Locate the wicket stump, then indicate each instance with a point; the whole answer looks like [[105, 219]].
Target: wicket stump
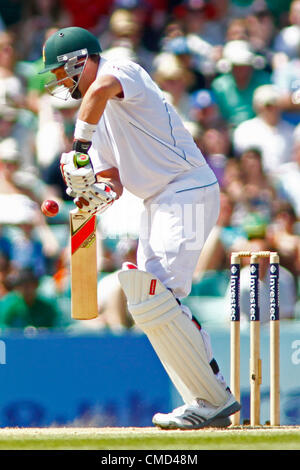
[[255, 361]]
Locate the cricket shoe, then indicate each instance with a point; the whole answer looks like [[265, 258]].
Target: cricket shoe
[[200, 414]]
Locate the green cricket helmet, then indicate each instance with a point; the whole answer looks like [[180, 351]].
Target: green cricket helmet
[[68, 48]]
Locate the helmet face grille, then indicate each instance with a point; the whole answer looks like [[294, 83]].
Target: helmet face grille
[[73, 68], [70, 55], [75, 64]]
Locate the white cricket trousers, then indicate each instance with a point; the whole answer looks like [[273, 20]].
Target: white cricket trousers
[[174, 227]]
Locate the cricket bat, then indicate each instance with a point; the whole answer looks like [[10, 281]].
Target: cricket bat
[[83, 264]]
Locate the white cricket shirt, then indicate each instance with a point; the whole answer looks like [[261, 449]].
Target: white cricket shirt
[[143, 136]]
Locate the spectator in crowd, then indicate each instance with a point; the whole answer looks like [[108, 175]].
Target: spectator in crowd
[[174, 80], [194, 22], [55, 115], [237, 30], [9, 126], [287, 176], [51, 173], [267, 131], [5, 244], [286, 76], [180, 48], [23, 306], [283, 238], [5, 269], [13, 99], [174, 28], [240, 8], [288, 38], [261, 31], [196, 131], [252, 192], [233, 186], [254, 225], [38, 17], [127, 33], [9, 163], [14, 124], [32, 242], [151, 15], [234, 88], [204, 110], [11, 87], [204, 23], [258, 191], [87, 13], [14, 179], [35, 82], [28, 250], [217, 19], [215, 146]]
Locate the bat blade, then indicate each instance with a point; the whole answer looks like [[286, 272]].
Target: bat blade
[[83, 265]]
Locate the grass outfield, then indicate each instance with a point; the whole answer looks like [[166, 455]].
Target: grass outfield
[[241, 438]]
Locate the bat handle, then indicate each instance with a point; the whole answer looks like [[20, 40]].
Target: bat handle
[[81, 159]]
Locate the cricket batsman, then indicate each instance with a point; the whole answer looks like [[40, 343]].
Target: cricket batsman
[[136, 140]]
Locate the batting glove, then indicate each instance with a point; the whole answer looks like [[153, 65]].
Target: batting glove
[[76, 177], [99, 197]]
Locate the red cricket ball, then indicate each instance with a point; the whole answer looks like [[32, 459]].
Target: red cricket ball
[[50, 208]]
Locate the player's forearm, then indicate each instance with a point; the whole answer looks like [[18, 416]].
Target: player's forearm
[[96, 97], [112, 178], [93, 105], [92, 108]]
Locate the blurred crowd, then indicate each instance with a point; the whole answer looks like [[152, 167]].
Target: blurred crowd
[[231, 68]]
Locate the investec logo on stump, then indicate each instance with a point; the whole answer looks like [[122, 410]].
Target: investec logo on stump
[[274, 309], [234, 289], [254, 293], [2, 352]]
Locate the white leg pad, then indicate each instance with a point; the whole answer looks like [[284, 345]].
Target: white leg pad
[[174, 337]]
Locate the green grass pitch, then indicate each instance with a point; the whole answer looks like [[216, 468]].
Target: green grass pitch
[[240, 438]]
